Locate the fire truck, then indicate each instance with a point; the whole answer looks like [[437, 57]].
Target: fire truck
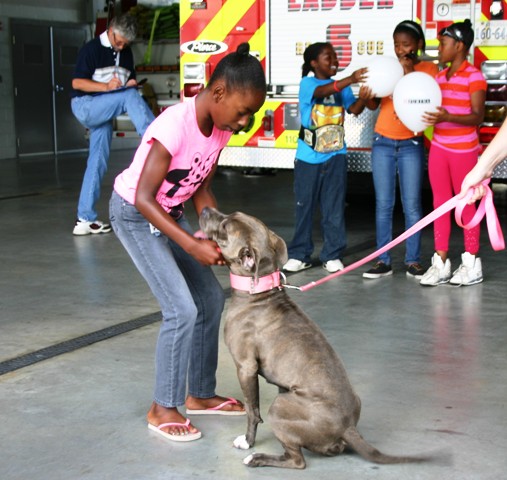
[[278, 32]]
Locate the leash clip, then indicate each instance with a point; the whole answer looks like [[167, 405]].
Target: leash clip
[[284, 283]]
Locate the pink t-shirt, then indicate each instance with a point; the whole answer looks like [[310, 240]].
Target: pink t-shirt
[[193, 156], [457, 99]]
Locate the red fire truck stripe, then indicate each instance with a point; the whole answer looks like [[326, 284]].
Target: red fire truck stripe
[[249, 22], [243, 25]]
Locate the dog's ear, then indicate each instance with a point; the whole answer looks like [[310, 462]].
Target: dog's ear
[[280, 248], [248, 257]]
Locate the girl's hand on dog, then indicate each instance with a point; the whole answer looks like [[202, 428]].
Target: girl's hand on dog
[[206, 252]]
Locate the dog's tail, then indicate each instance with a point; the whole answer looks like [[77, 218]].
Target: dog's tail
[[363, 448]]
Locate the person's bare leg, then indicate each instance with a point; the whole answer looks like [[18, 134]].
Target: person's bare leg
[[442, 254]]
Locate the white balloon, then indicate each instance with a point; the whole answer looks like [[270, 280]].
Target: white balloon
[[383, 74], [415, 94]]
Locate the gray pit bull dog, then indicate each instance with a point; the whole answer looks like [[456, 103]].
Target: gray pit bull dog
[[269, 335]]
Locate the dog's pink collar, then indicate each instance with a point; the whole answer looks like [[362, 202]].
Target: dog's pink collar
[[259, 285]]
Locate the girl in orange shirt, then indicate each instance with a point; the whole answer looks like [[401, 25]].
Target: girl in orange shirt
[[396, 151]]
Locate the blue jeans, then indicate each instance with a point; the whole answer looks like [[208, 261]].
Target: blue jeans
[[97, 113], [323, 185], [191, 300], [405, 158]]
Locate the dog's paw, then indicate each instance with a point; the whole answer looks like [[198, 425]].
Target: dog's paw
[[241, 443], [248, 459]]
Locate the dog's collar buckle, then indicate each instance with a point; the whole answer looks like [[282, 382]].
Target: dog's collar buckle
[[254, 285]]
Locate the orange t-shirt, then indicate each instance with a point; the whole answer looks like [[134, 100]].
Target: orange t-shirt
[[388, 124]]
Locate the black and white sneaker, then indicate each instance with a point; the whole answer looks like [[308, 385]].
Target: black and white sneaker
[[415, 270], [379, 270], [82, 227], [294, 265]]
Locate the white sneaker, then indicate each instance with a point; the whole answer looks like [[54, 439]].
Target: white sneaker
[[438, 273], [82, 227], [333, 266], [469, 272], [294, 265]]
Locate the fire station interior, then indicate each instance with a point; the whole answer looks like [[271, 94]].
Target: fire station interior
[[78, 328]]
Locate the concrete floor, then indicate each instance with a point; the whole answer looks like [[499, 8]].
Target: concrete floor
[[78, 328]]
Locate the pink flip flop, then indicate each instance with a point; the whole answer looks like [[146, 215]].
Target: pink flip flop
[[189, 437], [218, 409]]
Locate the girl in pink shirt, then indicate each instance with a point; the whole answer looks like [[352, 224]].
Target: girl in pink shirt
[[176, 162], [454, 152]]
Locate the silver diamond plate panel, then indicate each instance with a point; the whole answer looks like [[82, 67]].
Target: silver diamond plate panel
[[359, 161], [501, 170], [256, 157], [359, 130]]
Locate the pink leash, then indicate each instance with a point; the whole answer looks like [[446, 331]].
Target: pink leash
[[486, 207]]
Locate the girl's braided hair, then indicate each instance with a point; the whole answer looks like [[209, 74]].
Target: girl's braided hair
[[460, 31], [240, 70]]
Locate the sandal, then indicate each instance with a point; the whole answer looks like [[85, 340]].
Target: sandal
[[218, 409], [187, 437]]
